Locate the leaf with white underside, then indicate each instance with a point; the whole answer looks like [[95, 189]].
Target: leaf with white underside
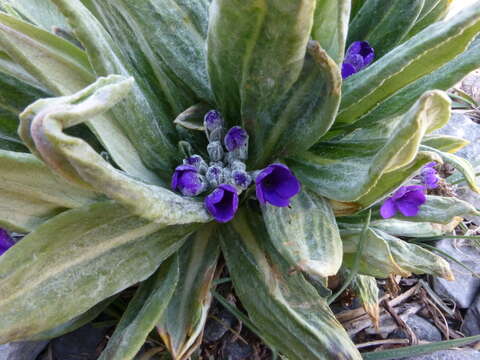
[[306, 234], [181, 326], [42, 125], [419, 56], [31, 193], [142, 313], [385, 254], [64, 69], [349, 170], [75, 260], [287, 310], [368, 292]]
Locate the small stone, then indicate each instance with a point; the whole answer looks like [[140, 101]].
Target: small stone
[[448, 355], [216, 327], [422, 328], [471, 322], [237, 350], [465, 286], [25, 350]]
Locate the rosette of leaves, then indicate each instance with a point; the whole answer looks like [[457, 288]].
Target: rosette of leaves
[[102, 92]]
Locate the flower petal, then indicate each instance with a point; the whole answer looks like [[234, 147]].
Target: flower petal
[[388, 209]]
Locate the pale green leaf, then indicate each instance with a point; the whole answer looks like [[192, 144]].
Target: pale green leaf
[[42, 126], [446, 143], [181, 326], [412, 229], [290, 315], [330, 26], [349, 170], [419, 56], [31, 193], [306, 234], [64, 69], [433, 11], [143, 312], [70, 263], [368, 293]]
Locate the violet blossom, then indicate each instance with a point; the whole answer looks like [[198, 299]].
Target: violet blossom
[[429, 175], [222, 203], [6, 241], [407, 200], [358, 56], [276, 184], [188, 181]]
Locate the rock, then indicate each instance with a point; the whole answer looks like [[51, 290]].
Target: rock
[[84, 343], [216, 327], [237, 350], [471, 322], [27, 350], [421, 327], [448, 355], [464, 288]]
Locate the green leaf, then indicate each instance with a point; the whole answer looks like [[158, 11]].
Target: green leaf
[[393, 20], [349, 170], [306, 234], [330, 26], [369, 296], [181, 326], [461, 165], [144, 115], [419, 349], [385, 254], [442, 210], [284, 307], [42, 125], [30, 193], [413, 229], [433, 11], [75, 260], [256, 63], [446, 143], [143, 312], [419, 56], [64, 69]]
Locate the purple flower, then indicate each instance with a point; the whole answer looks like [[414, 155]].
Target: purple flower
[[187, 180], [429, 175], [276, 184], [358, 56], [222, 203], [407, 200], [236, 138], [6, 241]]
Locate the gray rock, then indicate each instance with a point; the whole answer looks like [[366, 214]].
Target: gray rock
[[448, 355], [421, 327], [27, 350], [465, 287], [471, 323]]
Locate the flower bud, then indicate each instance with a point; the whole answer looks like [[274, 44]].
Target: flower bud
[[236, 142], [213, 123], [214, 175], [188, 181], [197, 162], [241, 179], [215, 151]]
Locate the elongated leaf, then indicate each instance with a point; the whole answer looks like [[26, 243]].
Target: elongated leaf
[[419, 56], [143, 311], [442, 210], [413, 229], [285, 308], [42, 126], [75, 260], [384, 23], [369, 296], [330, 26], [64, 69], [347, 170], [147, 121], [461, 165], [433, 11], [181, 326], [446, 143], [306, 234], [31, 193], [385, 254]]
